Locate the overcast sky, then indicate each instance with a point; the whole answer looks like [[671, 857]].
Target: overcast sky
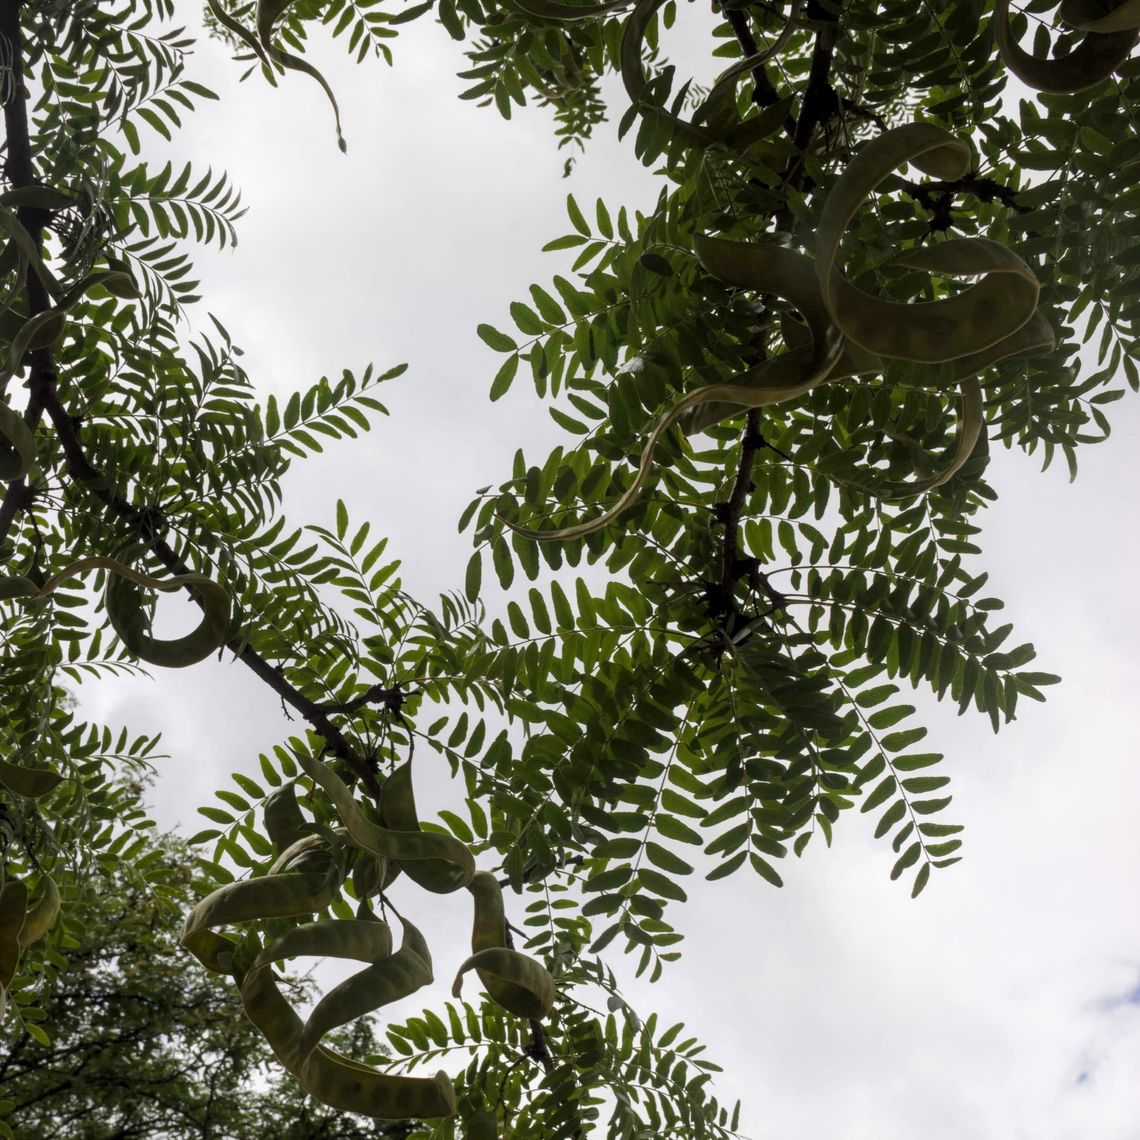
[[1003, 1003]]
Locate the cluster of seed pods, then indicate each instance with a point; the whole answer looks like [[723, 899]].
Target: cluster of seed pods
[[304, 879], [845, 332]]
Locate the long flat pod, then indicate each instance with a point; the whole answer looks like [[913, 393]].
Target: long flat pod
[[13, 907], [934, 331], [282, 817], [971, 424], [1090, 15], [403, 846], [129, 619], [772, 382], [765, 268], [398, 809], [633, 76], [330, 1077], [41, 918], [1091, 62], [387, 978], [735, 133], [519, 983], [552, 10], [125, 607], [283, 895], [21, 926], [43, 329], [268, 13]]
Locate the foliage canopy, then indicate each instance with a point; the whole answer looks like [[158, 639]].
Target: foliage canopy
[[783, 397]]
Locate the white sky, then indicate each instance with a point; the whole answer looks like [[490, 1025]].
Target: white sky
[[1003, 1003]]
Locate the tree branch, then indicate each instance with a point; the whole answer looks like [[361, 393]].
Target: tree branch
[[19, 170], [81, 470]]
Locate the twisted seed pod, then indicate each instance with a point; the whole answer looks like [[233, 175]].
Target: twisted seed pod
[[720, 97], [848, 331], [268, 13], [552, 10], [31, 783], [28, 252], [1033, 338], [332, 1078], [405, 847], [20, 927], [13, 908], [17, 445], [519, 983], [398, 810], [44, 329], [387, 977], [1109, 42], [282, 817], [303, 880], [772, 269], [125, 607], [129, 620], [371, 874], [1090, 16], [937, 331], [971, 424], [41, 918]]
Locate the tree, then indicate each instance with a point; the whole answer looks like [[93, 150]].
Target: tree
[[786, 403], [142, 1047]]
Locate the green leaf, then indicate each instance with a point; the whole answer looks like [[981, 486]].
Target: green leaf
[[504, 377], [655, 263], [576, 218], [496, 340]]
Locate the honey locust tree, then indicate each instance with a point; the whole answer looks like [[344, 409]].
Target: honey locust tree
[[882, 237]]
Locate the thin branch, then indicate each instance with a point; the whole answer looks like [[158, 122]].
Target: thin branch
[[82, 471]]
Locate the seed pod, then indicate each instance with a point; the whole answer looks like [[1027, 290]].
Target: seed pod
[[127, 615], [398, 809], [20, 927], [1090, 15], [13, 907], [28, 782], [41, 918], [552, 10], [403, 846], [26, 246], [279, 894], [973, 320], [770, 269], [17, 445], [372, 874], [268, 12], [328, 1076], [129, 619], [282, 817], [515, 981], [1108, 43], [707, 126]]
